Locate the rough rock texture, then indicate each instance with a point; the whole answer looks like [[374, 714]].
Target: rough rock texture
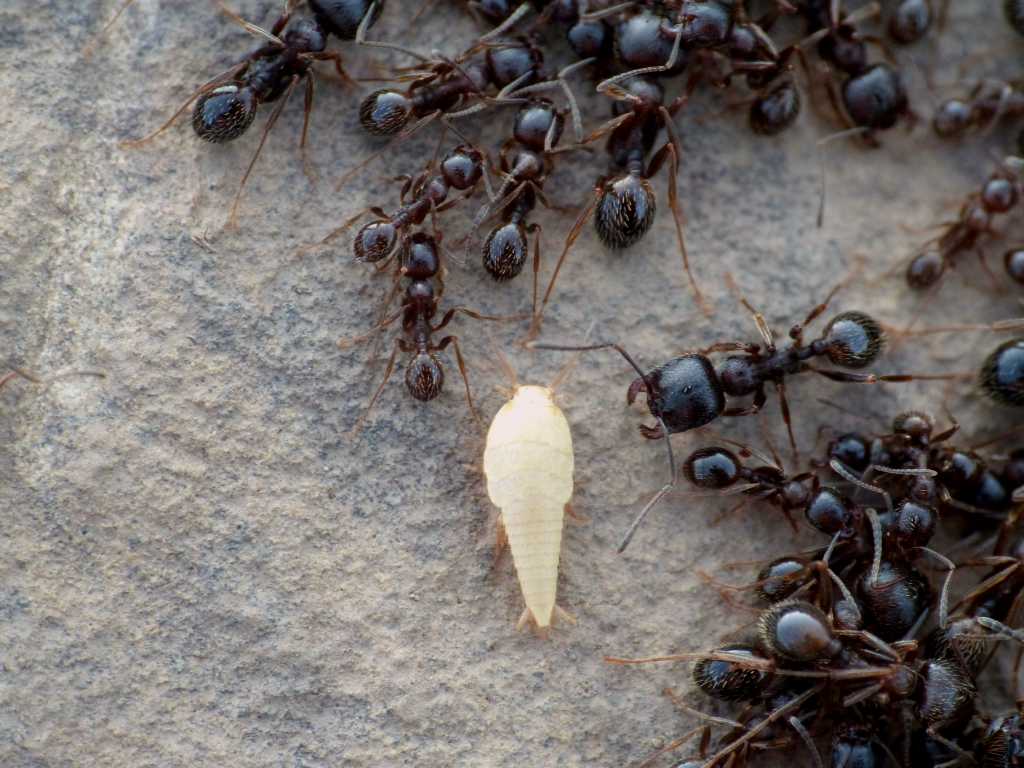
[[199, 566]]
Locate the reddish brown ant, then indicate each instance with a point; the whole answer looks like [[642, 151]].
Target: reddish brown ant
[[226, 106]]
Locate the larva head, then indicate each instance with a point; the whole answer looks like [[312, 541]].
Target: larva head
[[625, 210], [732, 680], [375, 241], [505, 251], [712, 468], [533, 393], [342, 17], [424, 376], [385, 112], [855, 339], [1002, 373], [684, 392], [224, 113], [798, 631]]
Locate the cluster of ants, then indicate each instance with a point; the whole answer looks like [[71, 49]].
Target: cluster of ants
[[841, 648]]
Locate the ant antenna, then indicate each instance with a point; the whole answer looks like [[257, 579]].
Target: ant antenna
[[840, 469], [664, 428], [876, 534]]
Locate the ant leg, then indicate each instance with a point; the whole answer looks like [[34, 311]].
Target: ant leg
[[665, 489], [254, 29], [337, 58], [574, 233], [224, 77], [536, 265], [475, 315], [780, 387], [91, 45], [389, 147], [307, 110], [454, 341], [362, 338], [233, 216], [760, 398], [605, 85], [559, 81], [508, 23], [762, 325], [398, 344], [669, 150]]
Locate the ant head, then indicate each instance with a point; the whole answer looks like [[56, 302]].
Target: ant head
[[508, 62], [646, 40], [999, 194], [224, 113], [590, 39], [831, 512], [731, 680], [952, 118], [643, 90], [307, 34], [495, 11], [342, 18], [1013, 261], [534, 121], [894, 602], [704, 24], [712, 468], [795, 494], [505, 251], [1002, 373], [915, 425], [419, 256], [852, 450], [798, 631], [424, 376], [375, 241], [685, 391], [625, 210], [855, 339], [781, 578], [925, 269], [462, 167], [845, 50], [739, 376], [776, 110], [910, 20], [875, 98], [385, 112]]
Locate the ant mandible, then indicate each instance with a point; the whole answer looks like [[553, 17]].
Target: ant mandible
[[226, 106]]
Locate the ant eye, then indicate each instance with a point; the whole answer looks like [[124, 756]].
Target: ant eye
[[1002, 373], [731, 680], [712, 468], [854, 339], [505, 251], [625, 211], [224, 113], [424, 378], [925, 269], [776, 110], [798, 631], [462, 167], [375, 241], [875, 98], [383, 113]]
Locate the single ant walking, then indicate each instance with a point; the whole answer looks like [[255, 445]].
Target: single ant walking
[[424, 376], [226, 106], [623, 206], [688, 391], [998, 195]]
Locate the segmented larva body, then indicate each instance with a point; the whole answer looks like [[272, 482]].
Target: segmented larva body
[[528, 463]]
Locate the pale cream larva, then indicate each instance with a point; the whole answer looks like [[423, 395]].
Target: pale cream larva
[[528, 463]]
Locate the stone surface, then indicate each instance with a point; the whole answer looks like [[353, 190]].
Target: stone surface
[[200, 566]]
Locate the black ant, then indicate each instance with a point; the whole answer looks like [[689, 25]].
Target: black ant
[[588, 36], [987, 102], [623, 206], [424, 376], [999, 194], [226, 106], [910, 20]]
